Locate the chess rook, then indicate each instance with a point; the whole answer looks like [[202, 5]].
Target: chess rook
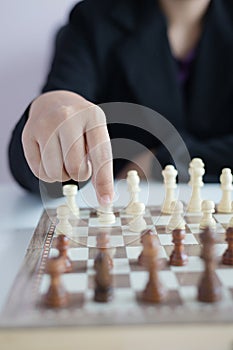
[[133, 181], [196, 172], [178, 256], [70, 192], [63, 226], [227, 258], [207, 219], [209, 289], [224, 205], [169, 176]]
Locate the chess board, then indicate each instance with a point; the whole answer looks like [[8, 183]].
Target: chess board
[[25, 304]]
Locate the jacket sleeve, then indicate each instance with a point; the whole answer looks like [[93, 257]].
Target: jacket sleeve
[[73, 68]]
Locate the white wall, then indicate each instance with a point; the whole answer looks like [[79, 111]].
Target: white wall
[[27, 29]]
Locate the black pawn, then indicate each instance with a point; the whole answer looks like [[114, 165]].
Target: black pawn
[[103, 278]]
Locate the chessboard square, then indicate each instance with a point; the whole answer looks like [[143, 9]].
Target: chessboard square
[[226, 277], [75, 282], [133, 252], [95, 222], [124, 296], [161, 220], [138, 280], [115, 241], [220, 228], [168, 279], [194, 228], [80, 231], [188, 293], [121, 266], [190, 278], [111, 231], [165, 239], [76, 254], [53, 253], [82, 222], [223, 218], [190, 239], [195, 264], [126, 232], [132, 240], [162, 253], [220, 249]]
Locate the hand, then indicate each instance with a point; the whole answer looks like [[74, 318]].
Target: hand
[[65, 138]]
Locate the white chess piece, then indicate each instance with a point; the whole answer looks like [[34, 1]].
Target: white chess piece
[[138, 224], [63, 226], [106, 215], [207, 219], [169, 175], [70, 192], [224, 205], [133, 181], [196, 171], [230, 224], [176, 220]]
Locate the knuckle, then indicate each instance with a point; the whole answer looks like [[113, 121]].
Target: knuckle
[[97, 116]]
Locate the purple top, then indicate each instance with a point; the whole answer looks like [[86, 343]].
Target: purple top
[[184, 67]]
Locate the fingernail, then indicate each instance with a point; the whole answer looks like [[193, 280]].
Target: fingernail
[[105, 199]]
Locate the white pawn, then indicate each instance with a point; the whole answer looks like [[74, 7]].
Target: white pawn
[[138, 224], [63, 226], [224, 205], [207, 219], [177, 220], [133, 181], [106, 215], [70, 192], [231, 220], [196, 171], [169, 175]]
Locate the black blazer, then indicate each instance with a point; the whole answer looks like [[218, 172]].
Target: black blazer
[[118, 50]]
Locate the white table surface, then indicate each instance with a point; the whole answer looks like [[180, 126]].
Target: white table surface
[[20, 212]]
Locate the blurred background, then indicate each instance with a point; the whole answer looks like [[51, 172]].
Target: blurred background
[[26, 44]]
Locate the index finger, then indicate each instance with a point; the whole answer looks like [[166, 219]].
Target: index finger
[[100, 153]]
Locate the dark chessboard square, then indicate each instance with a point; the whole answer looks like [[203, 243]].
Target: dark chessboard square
[[149, 220], [79, 266], [120, 253], [114, 231], [160, 229], [188, 278], [134, 266], [156, 211], [92, 252], [125, 221], [171, 299], [133, 241], [119, 281]]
